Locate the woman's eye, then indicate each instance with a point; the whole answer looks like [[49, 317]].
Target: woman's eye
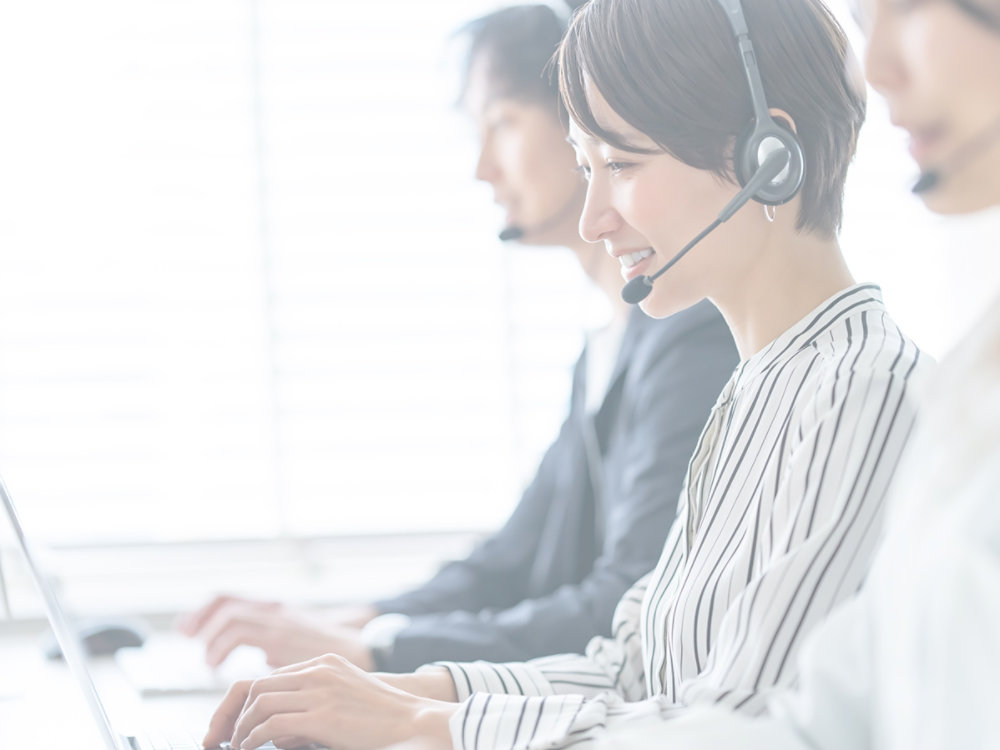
[[617, 167], [498, 124], [902, 6]]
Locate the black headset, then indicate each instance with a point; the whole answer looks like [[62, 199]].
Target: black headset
[[768, 158], [762, 136]]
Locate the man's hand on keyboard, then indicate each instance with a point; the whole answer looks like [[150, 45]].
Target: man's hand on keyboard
[[287, 636]]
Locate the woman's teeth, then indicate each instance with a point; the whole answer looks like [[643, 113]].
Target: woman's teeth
[[632, 258]]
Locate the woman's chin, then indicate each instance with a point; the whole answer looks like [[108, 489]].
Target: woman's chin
[[662, 303], [952, 202]]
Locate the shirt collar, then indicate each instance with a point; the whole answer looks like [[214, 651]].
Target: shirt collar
[[845, 302]]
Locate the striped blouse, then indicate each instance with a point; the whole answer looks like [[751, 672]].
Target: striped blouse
[[778, 519]]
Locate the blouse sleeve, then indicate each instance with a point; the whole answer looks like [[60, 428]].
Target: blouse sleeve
[[816, 542], [609, 665]]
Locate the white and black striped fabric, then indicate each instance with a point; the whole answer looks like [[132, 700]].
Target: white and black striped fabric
[[779, 517]]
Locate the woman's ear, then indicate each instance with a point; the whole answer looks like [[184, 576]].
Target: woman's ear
[[781, 117]]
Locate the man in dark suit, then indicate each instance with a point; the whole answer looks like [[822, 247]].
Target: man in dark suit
[[595, 517]]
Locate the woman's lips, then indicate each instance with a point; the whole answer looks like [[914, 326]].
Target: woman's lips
[[925, 144], [635, 263]]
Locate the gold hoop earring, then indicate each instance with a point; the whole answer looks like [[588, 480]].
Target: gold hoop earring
[[769, 212]]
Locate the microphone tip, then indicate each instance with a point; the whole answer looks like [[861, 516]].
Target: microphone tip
[[926, 181], [637, 290], [510, 233]]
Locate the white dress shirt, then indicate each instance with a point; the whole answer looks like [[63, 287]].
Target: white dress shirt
[[778, 520], [912, 662]]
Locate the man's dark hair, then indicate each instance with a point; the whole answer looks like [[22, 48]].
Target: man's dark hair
[[516, 44]]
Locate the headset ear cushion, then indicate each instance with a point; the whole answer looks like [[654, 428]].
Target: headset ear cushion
[[746, 160], [744, 155]]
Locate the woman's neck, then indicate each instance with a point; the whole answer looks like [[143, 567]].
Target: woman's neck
[[785, 283]]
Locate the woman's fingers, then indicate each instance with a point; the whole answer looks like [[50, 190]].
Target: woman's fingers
[[326, 700], [238, 698], [263, 710], [220, 727], [278, 729]]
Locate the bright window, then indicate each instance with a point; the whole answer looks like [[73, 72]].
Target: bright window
[[247, 285]]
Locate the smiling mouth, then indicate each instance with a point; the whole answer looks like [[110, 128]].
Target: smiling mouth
[[631, 259], [924, 140]]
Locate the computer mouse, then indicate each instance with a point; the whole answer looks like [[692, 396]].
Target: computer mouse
[[102, 637]]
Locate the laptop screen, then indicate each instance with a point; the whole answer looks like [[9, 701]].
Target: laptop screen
[[66, 635]]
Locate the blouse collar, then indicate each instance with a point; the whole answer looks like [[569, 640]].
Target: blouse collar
[[803, 333]]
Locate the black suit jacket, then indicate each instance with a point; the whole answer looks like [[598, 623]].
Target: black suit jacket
[[595, 517]]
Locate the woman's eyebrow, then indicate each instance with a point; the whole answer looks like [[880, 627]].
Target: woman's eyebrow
[[623, 141], [979, 11]]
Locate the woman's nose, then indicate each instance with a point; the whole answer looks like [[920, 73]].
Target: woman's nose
[[598, 219], [486, 165], [882, 66]]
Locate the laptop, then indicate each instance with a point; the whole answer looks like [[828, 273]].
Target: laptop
[[75, 654]]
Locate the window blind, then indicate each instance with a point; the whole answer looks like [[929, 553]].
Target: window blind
[[247, 286]]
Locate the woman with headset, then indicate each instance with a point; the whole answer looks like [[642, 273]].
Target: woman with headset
[[594, 517], [783, 496]]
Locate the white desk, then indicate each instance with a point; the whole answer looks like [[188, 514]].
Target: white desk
[[41, 705]]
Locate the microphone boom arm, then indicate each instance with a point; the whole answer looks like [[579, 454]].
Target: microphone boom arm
[[638, 289]]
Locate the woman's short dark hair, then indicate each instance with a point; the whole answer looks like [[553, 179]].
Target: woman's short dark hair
[[517, 43], [672, 70], [989, 17]]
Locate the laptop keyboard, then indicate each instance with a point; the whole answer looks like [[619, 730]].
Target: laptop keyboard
[[180, 742], [154, 741]]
